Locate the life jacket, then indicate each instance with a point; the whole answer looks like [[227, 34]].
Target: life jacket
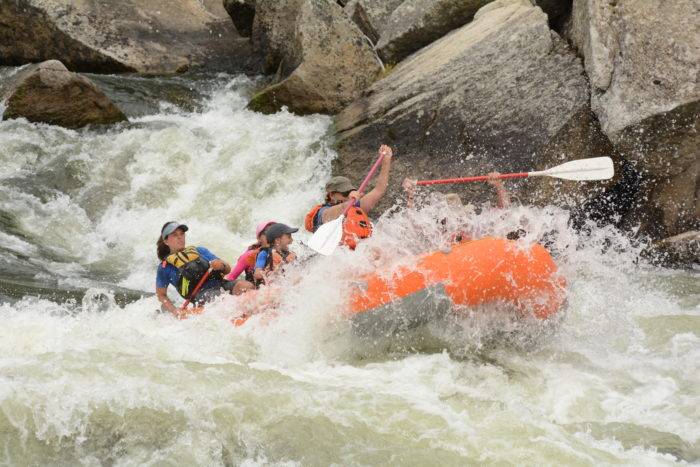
[[310, 219], [274, 260], [191, 267], [355, 226], [250, 264]]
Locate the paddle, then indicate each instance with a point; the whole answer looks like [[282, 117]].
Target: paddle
[[196, 289], [596, 168], [327, 237]]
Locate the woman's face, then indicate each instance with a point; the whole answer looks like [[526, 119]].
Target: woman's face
[[176, 241], [284, 241], [337, 197]]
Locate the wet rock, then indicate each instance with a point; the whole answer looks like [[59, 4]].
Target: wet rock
[[145, 36], [49, 93], [320, 58], [501, 93], [417, 23], [642, 63], [371, 15], [682, 250], [242, 13]]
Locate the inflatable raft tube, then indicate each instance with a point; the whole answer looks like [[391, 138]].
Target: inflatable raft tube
[[470, 274]]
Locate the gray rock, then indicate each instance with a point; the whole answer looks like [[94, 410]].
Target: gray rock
[[242, 13], [371, 15], [501, 93], [682, 250], [145, 36], [320, 58], [641, 58], [417, 23], [49, 93], [642, 62]]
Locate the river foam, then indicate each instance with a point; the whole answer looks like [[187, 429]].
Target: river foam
[[87, 377]]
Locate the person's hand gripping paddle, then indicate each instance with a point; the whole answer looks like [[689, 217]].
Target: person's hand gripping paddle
[[199, 285], [596, 168], [327, 237]]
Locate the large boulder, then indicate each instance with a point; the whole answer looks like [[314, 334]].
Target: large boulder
[[145, 36], [417, 23], [371, 15], [49, 93], [320, 58], [641, 59], [242, 13], [501, 93]]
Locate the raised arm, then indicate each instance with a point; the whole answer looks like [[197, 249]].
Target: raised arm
[[409, 186], [503, 198], [370, 200]]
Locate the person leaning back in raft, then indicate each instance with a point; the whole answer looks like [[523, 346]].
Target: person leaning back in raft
[[184, 266], [339, 192]]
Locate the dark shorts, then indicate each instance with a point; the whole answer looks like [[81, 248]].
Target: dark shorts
[[207, 295]]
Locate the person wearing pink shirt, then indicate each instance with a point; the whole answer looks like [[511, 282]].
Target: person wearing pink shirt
[[246, 262]]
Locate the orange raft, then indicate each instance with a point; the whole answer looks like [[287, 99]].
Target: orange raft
[[488, 270]]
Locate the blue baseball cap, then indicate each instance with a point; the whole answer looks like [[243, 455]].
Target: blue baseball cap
[[171, 227]]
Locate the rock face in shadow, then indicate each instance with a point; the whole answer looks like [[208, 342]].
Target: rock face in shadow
[[242, 13], [501, 93], [320, 59], [642, 62], [680, 250], [49, 93], [144, 36], [557, 10], [416, 23]]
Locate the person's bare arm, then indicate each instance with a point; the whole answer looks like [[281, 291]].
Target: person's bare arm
[[162, 294], [409, 185], [370, 200], [503, 198], [333, 212]]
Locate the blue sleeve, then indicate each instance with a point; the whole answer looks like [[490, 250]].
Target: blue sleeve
[[162, 279], [261, 259], [318, 220], [206, 254]]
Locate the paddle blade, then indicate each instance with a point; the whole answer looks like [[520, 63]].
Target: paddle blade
[[327, 238], [596, 168]]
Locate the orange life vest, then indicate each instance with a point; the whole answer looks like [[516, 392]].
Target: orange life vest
[[356, 225], [274, 260]]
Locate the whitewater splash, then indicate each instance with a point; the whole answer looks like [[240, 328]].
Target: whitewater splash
[[89, 378]]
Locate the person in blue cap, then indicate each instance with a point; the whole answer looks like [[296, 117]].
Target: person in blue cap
[[184, 266]]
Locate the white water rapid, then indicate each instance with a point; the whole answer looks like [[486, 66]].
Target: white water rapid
[[91, 374]]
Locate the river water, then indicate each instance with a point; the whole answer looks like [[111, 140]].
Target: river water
[[92, 374]]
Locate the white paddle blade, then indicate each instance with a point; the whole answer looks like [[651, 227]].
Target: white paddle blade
[[327, 238], [595, 168]]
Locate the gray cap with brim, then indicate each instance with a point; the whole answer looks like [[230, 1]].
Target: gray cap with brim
[[275, 231], [339, 184], [171, 227]]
